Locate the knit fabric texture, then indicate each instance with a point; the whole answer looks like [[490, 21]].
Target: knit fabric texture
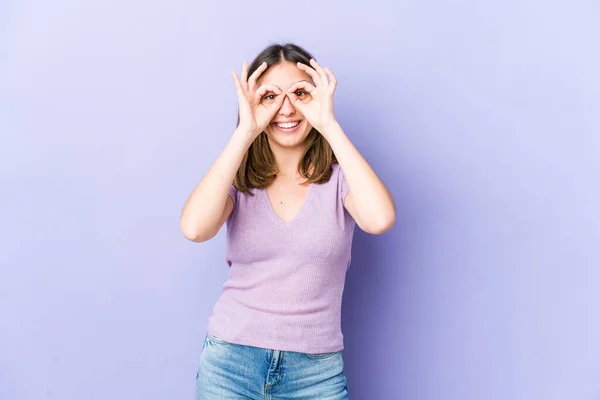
[[286, 279]]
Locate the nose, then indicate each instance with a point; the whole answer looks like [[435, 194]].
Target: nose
[[287, 108]]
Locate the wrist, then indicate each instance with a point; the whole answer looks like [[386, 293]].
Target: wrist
[[245, 132], [246, 136], [329, 127]]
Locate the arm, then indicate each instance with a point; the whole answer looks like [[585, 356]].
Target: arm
[[368, 200], [209, 205]]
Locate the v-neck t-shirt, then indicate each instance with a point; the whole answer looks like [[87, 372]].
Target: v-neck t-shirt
[[286, 279]]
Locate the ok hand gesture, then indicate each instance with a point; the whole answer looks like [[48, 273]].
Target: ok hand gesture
[[254, 115], [319, 110]]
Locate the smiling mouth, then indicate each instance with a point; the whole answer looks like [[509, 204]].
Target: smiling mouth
[[287, 125]]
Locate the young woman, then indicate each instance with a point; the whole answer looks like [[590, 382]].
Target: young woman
[[291, 187]]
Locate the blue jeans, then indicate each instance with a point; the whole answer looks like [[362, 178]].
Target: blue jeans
[[229, 371]]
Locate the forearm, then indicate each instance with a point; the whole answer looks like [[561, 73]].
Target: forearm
[[372, 201], [203, 209]]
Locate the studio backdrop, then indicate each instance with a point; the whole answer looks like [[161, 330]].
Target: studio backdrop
[[481, 117]]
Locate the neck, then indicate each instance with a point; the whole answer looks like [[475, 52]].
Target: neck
[[287, 161]]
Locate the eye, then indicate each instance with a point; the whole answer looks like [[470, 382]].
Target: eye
[[269, 97], [300, 93]]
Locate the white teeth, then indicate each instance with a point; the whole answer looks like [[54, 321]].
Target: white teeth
[[287, 125]]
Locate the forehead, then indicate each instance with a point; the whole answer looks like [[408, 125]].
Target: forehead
[[283, 75]]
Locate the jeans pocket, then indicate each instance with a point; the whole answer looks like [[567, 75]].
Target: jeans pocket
[[215, 340]]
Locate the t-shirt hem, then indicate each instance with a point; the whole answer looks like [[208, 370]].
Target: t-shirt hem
[[273, 345]]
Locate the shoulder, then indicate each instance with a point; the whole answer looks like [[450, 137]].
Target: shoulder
[[339, 178], [338, 174], [335, 177], [336, 171], [233, 192]]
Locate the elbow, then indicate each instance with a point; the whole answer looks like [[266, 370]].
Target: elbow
[[193, 237], [383, 224], [194, 234]]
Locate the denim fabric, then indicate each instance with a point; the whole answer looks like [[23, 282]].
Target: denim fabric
[[229, 371]]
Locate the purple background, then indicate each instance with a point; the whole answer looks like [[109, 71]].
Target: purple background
[[482, 118]]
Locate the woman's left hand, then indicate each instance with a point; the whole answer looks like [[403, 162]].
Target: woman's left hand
[[319, 109]]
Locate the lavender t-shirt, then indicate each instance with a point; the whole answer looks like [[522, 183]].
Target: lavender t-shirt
[[286, 279]]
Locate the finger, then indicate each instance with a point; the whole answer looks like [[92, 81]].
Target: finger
[[276, 105], [296, 101], [313, 74], [319, 70], [332, 80], [269, 110], [264, 89], [307, 86], [242, 100], [238, 85], [244, 80], [255, 75]]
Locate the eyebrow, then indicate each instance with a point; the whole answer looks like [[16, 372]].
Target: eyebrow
[[301, 80], [272, 85]]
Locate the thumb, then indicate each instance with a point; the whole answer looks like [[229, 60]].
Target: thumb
[[276, 105]]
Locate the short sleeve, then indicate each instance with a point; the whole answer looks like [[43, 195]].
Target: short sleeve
[[343, 185], [233, 194]]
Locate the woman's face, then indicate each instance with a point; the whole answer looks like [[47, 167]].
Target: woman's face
[[288, 128]]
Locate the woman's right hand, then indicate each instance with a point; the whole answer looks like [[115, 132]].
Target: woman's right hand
[[256, 114]]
